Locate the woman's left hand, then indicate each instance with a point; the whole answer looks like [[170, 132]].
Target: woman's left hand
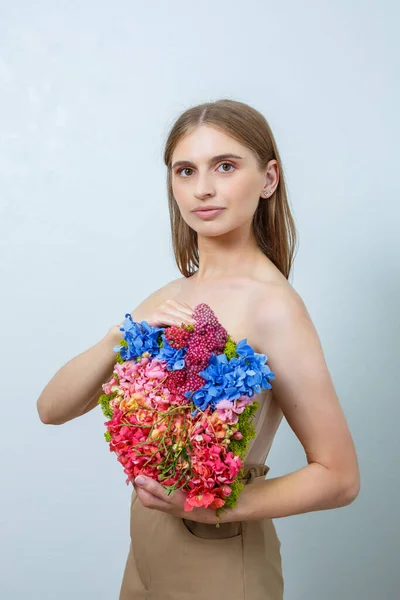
[[153, 495]]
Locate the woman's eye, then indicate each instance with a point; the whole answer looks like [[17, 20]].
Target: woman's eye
[[180, 171], [227, 164], [184, 169]]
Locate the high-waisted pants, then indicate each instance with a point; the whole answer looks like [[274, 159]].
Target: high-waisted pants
[[172, 558]]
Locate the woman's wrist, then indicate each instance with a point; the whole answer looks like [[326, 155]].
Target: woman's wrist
[[113, 335]]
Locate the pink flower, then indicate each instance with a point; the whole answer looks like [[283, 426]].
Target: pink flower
[[228, 410], [107, 386], [199, 500], [150, 434]]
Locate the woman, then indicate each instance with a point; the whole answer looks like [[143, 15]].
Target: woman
[[233, 238]]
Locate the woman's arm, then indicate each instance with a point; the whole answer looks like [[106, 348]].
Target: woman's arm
[[76, 387], [72, 389], [304, 390]]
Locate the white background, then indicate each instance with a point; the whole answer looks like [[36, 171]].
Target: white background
[[88, 91]]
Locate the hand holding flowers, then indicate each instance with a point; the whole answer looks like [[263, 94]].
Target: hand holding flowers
[[180, 408]]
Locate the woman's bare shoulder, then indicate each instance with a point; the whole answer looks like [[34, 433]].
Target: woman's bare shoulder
[[276, 301]]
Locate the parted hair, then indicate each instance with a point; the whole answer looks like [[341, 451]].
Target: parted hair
[[273, 224]]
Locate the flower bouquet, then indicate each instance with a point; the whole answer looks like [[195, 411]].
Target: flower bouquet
[[180, 407]]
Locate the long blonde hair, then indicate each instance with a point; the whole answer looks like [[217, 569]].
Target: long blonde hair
[[273, 223]]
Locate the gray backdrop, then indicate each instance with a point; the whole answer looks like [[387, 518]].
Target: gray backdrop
[[88, 91]]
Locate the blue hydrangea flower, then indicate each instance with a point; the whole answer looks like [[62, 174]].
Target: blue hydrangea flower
[[141, 337], [256, 362], [173, 356], [227, 379]]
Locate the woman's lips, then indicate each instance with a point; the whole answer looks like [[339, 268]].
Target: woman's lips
[[208, 214]]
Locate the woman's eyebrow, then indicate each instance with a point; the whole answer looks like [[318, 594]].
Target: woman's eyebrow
[[180, 163]]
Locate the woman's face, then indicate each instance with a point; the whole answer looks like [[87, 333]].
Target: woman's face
[[233, 183]]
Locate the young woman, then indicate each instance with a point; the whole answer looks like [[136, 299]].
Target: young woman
[[233, 237]]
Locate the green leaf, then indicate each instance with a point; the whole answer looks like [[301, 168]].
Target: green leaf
[[239, 447], [104, 402], [230, 348]]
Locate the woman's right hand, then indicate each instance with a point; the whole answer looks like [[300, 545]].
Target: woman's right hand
[[170, 312]]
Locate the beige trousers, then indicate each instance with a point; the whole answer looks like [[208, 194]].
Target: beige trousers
[[171, 558]]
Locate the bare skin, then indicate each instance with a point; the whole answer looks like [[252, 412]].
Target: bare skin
[[269, 313], [234, 300], [253, 300]]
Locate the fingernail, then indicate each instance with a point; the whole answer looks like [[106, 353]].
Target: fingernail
[[140, 480]]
